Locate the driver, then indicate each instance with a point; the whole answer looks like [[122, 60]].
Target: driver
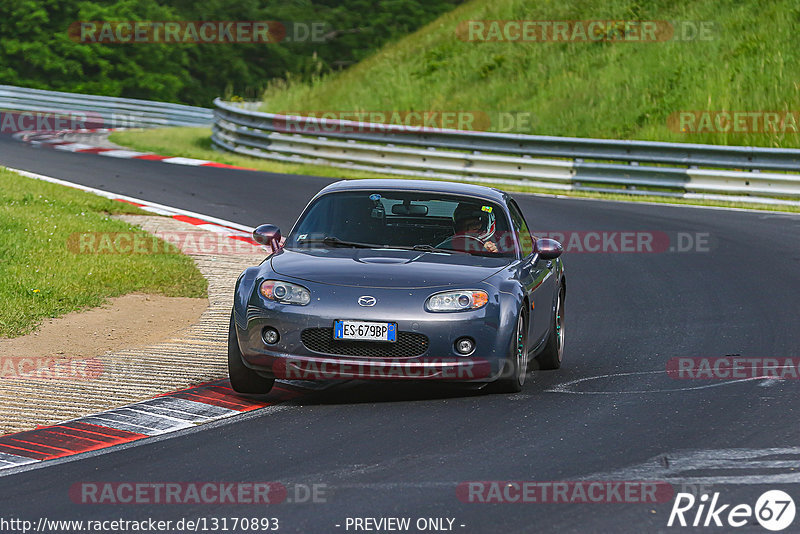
[[474, 223]]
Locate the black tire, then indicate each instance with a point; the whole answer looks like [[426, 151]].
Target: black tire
[[515, 369], [553, 352], [243, 379]]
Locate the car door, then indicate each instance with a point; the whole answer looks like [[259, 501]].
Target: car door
[[536, 276]]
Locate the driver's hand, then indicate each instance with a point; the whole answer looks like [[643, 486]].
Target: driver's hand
[[491, 247]]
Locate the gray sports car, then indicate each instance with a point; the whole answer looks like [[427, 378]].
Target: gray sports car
[[400, 280]]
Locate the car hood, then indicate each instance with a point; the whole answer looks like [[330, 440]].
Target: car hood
[[385, 268]]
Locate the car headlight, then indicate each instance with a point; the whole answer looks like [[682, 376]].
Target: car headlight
[[457, 301], [285, 292]]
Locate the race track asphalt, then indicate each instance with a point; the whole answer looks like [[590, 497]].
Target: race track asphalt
[[382, 450]]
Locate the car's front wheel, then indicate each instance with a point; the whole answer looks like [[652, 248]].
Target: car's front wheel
[[243, 379], [553, 352], [516, 365]]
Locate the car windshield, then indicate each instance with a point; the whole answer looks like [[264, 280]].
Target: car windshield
[[426, 222]]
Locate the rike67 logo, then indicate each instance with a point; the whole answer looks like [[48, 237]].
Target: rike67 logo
[[774, 510]]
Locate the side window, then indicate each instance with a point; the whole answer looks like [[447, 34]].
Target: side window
[[521, 229]]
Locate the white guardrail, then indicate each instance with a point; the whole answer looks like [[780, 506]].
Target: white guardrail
[[100, 111], [749, 174]]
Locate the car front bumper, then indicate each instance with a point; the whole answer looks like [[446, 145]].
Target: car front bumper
[[292, 358]]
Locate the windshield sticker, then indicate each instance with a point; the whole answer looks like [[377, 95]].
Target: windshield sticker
[[487, 209], [375, 197]]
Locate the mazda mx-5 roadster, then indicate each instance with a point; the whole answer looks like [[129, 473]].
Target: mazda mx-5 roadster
[[400, 280]]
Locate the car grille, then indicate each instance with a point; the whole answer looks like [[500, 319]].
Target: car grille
[[408, 345]]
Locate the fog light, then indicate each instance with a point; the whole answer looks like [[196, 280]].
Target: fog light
[[270, 335], [465, 346]]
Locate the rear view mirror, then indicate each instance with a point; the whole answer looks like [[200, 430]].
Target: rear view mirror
[[415, 210]]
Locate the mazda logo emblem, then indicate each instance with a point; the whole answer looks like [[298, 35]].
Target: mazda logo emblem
[[367, 301]]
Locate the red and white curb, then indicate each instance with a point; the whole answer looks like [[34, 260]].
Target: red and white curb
[[164, 414], [230, 229], [54, 140]]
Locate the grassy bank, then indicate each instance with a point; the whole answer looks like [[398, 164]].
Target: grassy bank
[[746, 60], [41, 276]]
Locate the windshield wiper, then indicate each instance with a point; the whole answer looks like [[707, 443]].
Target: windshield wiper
[[430, 248], [422, 248], [336, 242]]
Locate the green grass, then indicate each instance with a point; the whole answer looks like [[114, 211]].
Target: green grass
[[196, 143], [582, 89], [41, 277]]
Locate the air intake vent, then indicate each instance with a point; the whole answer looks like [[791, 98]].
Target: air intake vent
[[408, 345]]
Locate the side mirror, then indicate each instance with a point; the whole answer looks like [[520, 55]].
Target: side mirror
[[548, 249], [268, 235]]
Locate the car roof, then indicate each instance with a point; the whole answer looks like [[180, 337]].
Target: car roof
[[454, 188]]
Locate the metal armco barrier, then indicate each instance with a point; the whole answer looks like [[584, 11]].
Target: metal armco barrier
[[103, 111], [558, 163]]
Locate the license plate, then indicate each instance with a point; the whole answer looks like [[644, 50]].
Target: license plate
[[365, 331]]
